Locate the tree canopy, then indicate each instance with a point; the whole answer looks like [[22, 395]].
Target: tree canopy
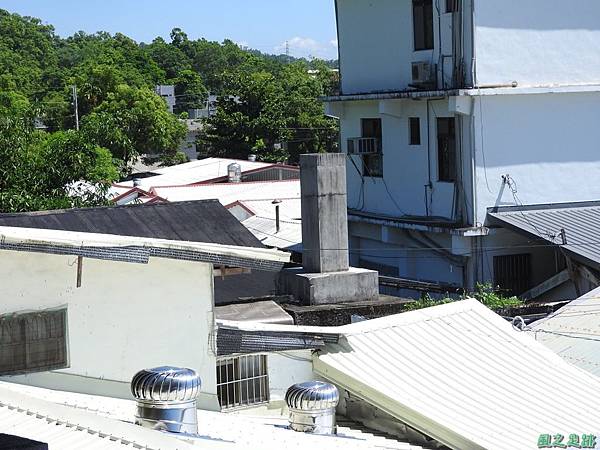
[[267, 104]]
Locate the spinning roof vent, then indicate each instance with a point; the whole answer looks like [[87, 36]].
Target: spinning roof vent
[[234, 173], [312, 407], [166, 399]]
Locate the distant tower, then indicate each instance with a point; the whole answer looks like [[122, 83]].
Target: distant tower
[[287, 51]]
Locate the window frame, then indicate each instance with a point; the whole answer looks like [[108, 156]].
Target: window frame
[[425, 41], [369, 160], [446, 173], [232, 388], [412, 139], [30, 324]]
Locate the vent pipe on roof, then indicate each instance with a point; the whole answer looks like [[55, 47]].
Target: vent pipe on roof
[[234, 173], [312, 407], [252, 158], [166, 399]]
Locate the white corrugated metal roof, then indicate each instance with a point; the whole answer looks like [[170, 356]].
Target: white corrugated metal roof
[[462, 375], [573, 332], [288, 237], [194, 172], [88, 418], [263, 224], [228, 193]]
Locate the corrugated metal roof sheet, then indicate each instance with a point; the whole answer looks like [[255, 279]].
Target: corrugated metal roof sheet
[[195, 172], [263, 224], [462, 375], [228, 193], [573, 332], [196, 221], [581, 222], [92, 417]]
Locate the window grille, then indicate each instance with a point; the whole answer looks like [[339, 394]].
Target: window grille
[[512, 273], [33, 342], [242, 381]]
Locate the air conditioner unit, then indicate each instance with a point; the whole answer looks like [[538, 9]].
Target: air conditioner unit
[[423, 73], [363, 146]]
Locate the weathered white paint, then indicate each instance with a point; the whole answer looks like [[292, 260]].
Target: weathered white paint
[[537, 42], [124, 317], [549, 144]]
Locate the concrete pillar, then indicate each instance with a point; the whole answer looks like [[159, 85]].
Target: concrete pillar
[[324, 213]]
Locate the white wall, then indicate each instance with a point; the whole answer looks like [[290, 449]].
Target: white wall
[[549, 144], [376, 45], [537, 42], [405, 167], [125, 317], [392, 247]]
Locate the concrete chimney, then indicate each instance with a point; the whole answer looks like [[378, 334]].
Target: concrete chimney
[[325, 277], [324, 212]]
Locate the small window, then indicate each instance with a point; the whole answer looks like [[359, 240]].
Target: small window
[[414, 131], [423, 24], [242, 381], [452, 6], [373, 162], [512, 273], [446, 139], [33, 342]]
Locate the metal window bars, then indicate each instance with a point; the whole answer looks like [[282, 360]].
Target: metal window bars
[[242, 381]]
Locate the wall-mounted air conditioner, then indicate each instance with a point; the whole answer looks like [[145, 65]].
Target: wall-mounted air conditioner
[[363, 146], [423, 74]]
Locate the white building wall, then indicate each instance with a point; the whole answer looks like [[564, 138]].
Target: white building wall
[[376, 45], [537, 42], [549, 144], [124, 317], [407, 169]]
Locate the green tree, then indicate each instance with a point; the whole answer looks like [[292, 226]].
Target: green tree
[[133, 122], [190, 91], [48, 171]]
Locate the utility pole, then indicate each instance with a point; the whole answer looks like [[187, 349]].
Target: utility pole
[[76, 108]]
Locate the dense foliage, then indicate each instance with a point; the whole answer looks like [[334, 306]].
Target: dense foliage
[[485, 293], [267, 105]]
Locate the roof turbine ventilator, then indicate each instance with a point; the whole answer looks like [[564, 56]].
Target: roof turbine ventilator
[[166, 399], [312, 407], [234, 173]]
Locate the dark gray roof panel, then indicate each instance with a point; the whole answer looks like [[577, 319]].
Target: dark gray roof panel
[[581, 222], [194, 221]]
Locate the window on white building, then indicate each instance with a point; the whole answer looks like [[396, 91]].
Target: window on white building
[[452, 6], [512, 273], [414, 130], [242, 381], [423, 24], [33, 342], [446, 140], [373, 162]]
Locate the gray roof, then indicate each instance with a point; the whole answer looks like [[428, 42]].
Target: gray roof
[[580, 221], [195, 221]]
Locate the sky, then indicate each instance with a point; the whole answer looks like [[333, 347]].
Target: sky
[[307, 25]]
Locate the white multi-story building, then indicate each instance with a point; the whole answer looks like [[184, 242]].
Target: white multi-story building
[[451, 107]]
